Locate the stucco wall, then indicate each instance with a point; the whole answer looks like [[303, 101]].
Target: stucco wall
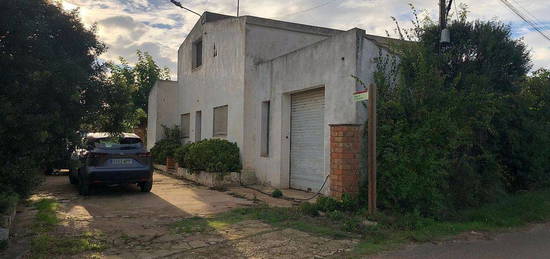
[[162, 99], [264, 43], [329, 64], [218, 81]]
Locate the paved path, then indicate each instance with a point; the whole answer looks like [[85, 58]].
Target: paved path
[[532, 242]]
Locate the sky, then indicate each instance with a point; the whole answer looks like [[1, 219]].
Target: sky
[[159, 27]]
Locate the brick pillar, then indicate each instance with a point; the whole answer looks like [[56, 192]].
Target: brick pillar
[[345, 148]]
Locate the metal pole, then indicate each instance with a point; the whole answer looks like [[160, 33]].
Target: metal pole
[[371, 151], [238, 8]]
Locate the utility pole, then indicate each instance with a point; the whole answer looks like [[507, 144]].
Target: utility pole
[[443, 12], [442, 16], [371, 148]]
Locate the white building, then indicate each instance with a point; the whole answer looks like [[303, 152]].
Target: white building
[[272, 87]]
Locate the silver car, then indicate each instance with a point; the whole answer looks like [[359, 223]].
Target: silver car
[[112, 160]]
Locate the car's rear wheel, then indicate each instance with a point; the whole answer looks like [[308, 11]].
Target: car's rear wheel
[[83, 187], [146, 186], [72, 179]]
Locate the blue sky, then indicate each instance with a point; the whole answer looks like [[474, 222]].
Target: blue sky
[[158, 27]]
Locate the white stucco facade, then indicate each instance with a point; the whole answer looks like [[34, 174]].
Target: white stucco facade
[[249, 60], [160, 112]]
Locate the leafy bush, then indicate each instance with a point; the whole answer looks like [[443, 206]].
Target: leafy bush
[[212, 155], [179, 154], [277, 193], [167, 146], [163, 149]]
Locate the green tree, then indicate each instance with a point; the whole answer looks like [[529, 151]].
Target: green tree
[[51, 82], [135, 83]]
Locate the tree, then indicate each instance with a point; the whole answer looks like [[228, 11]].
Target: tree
[[135, 82], [50, 83]]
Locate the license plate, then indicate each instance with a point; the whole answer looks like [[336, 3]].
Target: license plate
[[121, 161]]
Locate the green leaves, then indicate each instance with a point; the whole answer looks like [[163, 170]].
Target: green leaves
[[460, 126]]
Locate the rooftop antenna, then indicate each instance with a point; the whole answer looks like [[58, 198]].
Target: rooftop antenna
[[181, 6]]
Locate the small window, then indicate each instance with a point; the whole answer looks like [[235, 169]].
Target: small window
[[197, 53], [185, 125], [264, 143], [198, 121], [220, 121]]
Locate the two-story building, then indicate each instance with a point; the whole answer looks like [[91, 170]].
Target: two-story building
[[272, 87]]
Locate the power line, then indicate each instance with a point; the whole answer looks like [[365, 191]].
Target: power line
[[537, 21], [306, 10], [524, 18]]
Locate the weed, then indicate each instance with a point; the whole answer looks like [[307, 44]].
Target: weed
[[277, 193], [309, 209]]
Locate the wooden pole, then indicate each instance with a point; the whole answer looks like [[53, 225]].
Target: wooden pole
[[371, 152], [442, 18]]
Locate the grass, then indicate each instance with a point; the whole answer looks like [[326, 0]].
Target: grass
[[277, 217], [46, 243], [391, 231], [508, 213]]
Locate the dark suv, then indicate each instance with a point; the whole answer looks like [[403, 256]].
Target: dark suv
[[111, 160]]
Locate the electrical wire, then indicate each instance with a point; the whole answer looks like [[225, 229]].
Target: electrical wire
[[525, 19], [306, 10]]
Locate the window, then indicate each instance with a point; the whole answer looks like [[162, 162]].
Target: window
[[185, 125], [264, 141], [197, 53], [220, 121], [198, 119]]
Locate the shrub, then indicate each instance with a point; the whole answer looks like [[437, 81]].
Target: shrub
[[167, 146], [212, 155], [179, 154], [163, 149], [277, 193]]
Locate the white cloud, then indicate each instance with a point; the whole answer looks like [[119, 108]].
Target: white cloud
[[159, 27]]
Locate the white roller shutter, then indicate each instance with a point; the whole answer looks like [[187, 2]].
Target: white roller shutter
[[306, 143]]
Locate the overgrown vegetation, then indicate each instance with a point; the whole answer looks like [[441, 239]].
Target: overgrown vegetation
[[460, 125], [47, 243]]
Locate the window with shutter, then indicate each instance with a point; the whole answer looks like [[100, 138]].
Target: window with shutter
[[185, 125], [220, 121]]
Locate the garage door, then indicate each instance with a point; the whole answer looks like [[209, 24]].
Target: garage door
[[306, 142]]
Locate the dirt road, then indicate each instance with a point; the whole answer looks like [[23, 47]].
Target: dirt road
[[140, 225]]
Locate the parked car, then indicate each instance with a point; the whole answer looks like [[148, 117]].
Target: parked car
[[111, 160]]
